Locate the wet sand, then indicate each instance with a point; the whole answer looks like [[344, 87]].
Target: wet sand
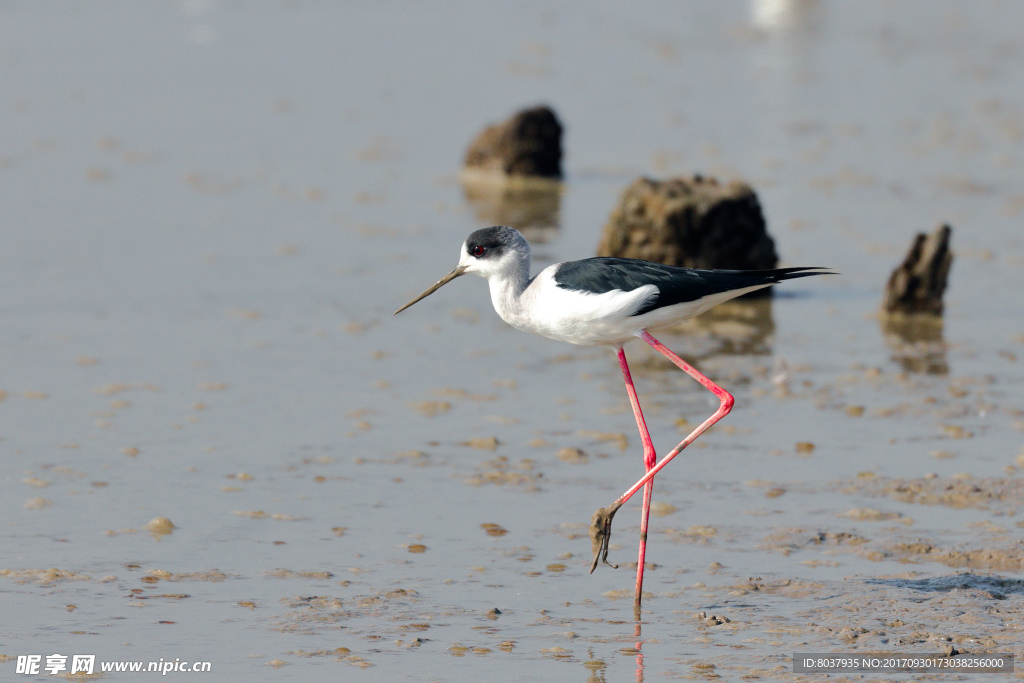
[[218, 445]]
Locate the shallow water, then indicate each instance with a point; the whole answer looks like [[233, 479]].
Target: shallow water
[[212, 209]]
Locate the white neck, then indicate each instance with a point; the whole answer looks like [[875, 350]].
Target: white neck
[[507, 287]]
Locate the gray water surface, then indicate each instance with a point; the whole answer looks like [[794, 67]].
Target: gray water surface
[[212, 208]]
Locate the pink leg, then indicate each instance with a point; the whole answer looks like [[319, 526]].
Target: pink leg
[[600, 524], [724, 396], [650, 458]]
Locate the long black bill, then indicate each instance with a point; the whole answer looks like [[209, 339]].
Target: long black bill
[[434, 287]]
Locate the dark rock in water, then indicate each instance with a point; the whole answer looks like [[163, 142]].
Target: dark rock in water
[[528, 144], [919, 282], [694, 222]]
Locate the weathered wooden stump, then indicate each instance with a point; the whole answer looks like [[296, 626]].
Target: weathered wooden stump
[[917, 285]]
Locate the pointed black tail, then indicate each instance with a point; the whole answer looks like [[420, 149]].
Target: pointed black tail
[[780, 274]]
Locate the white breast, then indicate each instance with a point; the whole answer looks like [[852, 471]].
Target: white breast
[[572, 316]]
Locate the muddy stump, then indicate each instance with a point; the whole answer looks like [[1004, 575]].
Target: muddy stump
[[528, 144], [917, 285], [694, 222]]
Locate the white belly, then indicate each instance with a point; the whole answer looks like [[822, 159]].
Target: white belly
[[594, 319]]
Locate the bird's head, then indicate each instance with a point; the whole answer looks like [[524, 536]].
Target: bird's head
[[489, 252]]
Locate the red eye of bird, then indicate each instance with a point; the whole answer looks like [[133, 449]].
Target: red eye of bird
[[477, 251]]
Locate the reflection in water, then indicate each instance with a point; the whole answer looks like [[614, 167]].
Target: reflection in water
[[789, 50], [595, 668], [735, 328], [639, 655], [531, 205], [916, 343]]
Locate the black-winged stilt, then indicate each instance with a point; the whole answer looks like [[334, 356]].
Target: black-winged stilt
[[607, 301]]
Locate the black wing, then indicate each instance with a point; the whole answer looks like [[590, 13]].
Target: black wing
[[675, 285]]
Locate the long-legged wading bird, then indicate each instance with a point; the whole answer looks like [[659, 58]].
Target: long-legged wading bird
[[607, 301]]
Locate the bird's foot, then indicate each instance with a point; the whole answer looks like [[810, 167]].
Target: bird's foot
[[601, 534]]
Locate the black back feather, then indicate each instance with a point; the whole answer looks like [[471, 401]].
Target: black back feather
[[675, 285]]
